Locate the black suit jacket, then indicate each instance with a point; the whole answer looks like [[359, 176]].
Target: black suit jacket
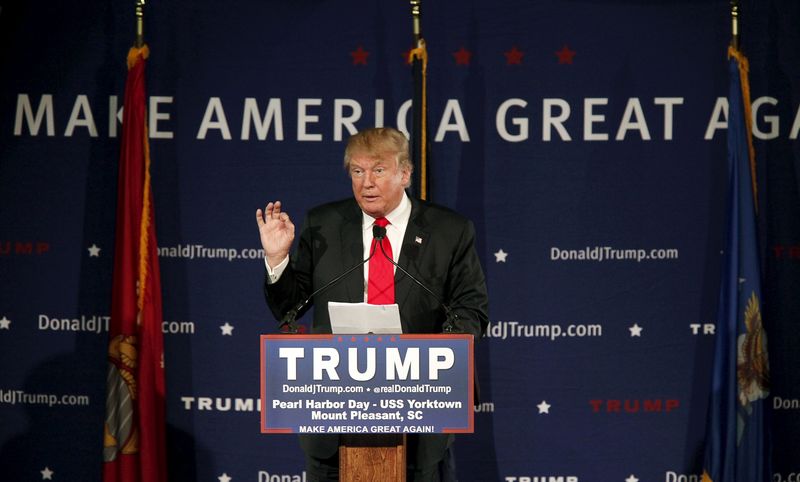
[[438, 249]]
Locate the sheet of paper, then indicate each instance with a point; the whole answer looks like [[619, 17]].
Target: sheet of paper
[[361, 318]]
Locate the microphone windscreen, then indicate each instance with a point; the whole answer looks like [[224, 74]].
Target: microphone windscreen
[[378, 232]]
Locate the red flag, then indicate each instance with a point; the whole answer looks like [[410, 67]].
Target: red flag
[[134, 435]]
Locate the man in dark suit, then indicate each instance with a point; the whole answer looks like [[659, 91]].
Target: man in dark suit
[[433, 243]]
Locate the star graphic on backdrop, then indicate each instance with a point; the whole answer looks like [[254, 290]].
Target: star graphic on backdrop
[[227, 329], [224, 477], [544, 407], [631, 478], [514, 56], [636, 330], [462, 56], [4, 323], [359, 56], [500, 256], [47, 474], [94, 251], [565, 55]]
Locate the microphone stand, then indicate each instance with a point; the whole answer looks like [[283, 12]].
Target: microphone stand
[[451, 318]]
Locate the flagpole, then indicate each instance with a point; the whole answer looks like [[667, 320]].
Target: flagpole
[[139, 23], [735, 24], [419, 142]]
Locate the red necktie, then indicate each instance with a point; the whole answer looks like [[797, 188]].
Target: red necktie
[[380, 288]]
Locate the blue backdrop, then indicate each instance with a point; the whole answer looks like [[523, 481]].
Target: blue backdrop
[[585, 139]]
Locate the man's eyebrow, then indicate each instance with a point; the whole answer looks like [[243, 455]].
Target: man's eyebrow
[[370, 165]]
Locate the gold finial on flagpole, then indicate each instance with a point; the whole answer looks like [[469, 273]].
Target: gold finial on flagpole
[[735, 24], [415, 15], [139, 23]]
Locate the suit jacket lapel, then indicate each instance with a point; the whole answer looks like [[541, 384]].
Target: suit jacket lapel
[[414, 245], [352, 252]]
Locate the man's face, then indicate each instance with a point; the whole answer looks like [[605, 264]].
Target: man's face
[[378, 182]]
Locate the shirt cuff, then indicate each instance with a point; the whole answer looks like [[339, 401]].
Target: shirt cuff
[[275, 274]]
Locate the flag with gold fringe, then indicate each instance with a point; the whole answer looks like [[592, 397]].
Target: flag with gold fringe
[[737, 438], [134, 448]]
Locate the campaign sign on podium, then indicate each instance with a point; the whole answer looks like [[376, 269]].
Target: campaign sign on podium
[[367, 384]]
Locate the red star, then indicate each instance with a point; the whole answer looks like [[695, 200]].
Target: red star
[[565, 55], [359, 56], [514, 56], [462, 56]]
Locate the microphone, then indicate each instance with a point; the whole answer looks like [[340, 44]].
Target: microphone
[[451, 318], [378, 232], [289, 320]]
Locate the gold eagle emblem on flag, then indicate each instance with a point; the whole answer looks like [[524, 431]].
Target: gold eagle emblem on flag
[[752, 368]]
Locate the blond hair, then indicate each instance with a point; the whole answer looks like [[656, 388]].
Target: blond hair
[[376, 141]]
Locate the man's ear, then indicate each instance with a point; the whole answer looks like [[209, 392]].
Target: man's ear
[[406, 173]]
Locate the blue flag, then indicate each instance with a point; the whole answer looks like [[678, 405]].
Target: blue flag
[[736, 432]]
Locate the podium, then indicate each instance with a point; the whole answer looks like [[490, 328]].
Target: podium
[[372, 390]]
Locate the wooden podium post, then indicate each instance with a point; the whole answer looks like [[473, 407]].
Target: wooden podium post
[[372, 458]]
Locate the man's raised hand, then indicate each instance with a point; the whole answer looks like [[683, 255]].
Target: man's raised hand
[[277, 232]]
